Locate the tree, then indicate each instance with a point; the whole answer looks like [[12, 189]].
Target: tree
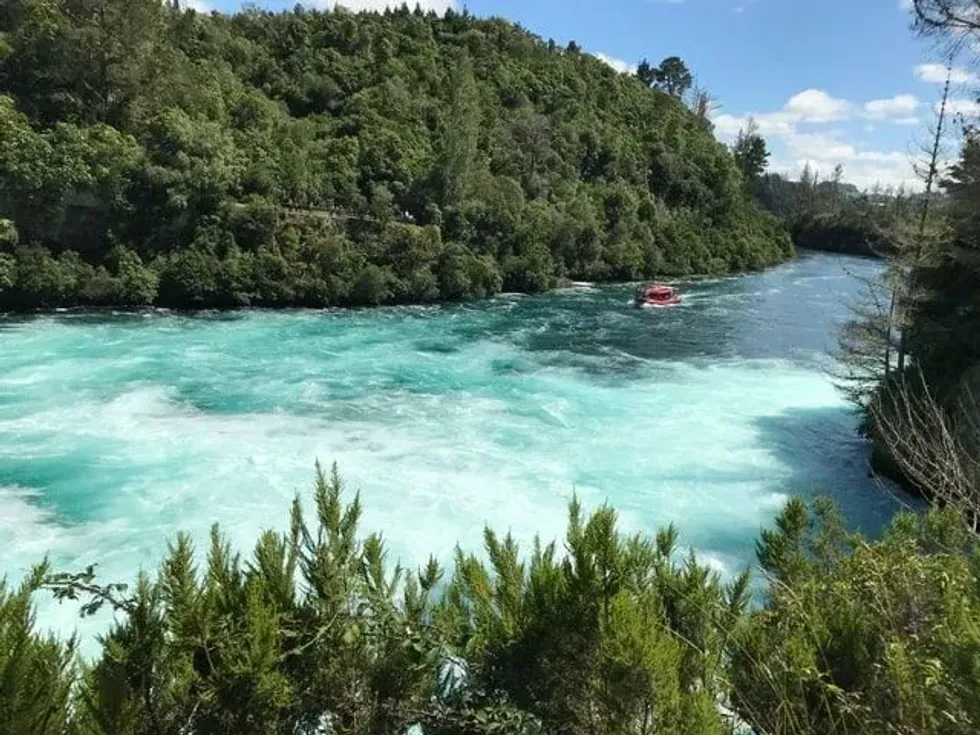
[[461, 137], [875, 343], [835, 182], [867, 345], [806, 191], [750, 152], [674, 77], [944, 325], [861, 636], [941, 325], [8, 234], [117, 51], [913, 353], [910, 258], [38, 671], [646, 73], [934, 443], [954, 18], [702, 107]]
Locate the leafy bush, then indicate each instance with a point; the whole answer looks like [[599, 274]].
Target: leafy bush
[[316, 631], [133, 284], [863, 637]]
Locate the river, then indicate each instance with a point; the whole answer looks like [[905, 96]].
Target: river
[[117, 430]]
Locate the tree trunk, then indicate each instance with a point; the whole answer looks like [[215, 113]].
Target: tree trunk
[[924, 216]]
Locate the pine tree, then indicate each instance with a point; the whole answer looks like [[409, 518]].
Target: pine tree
[[673, 76], [36, 672], [461, 137], [750, 152], [646, 73], [875, 342], [914, 253]]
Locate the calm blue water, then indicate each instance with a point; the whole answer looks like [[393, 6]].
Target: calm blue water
[[118, 430]]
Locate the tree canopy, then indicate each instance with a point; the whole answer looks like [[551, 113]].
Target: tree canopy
[[152, 154], [674, 77], [750, 152]]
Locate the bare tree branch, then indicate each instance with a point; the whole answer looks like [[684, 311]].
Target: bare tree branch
[[935, 448], [947, 15]]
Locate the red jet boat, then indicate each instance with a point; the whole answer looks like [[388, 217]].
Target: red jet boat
[[656, 295]]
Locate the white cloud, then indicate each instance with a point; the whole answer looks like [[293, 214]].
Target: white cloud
[[815, 105], [809, 106], [822, 148], [728, 125], [619, 65], [440, 6], [201, 6], [967, 108], [936, 73], [901, 106], [818, 146], [864, 169], [770, 123]]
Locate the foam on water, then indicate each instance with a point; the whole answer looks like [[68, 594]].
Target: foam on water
[[118, 430]]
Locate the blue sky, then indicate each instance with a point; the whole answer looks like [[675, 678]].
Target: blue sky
[[833, 81]]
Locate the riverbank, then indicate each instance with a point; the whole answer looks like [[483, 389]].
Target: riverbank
[[845, 232], [33, 280]]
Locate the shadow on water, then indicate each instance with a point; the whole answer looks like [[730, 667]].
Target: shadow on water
[[821, 455], [825, 456]]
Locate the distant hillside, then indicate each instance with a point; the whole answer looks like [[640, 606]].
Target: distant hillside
[[838, 217], [152, 155]]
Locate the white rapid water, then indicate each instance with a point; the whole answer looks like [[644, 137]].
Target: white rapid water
[[118, 430]]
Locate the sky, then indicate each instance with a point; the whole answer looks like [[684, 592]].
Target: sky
[[828, 81]]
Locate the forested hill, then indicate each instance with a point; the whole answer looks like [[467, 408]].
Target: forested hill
[[154, 155]]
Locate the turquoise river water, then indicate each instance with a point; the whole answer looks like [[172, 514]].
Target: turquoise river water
[[116, 430]]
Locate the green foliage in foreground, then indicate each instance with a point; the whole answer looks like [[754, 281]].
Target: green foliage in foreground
[[155, 155], [316, 632], [864, 637]]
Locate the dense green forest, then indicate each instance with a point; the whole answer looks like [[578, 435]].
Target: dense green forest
[[155, 155], [834, 216]]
